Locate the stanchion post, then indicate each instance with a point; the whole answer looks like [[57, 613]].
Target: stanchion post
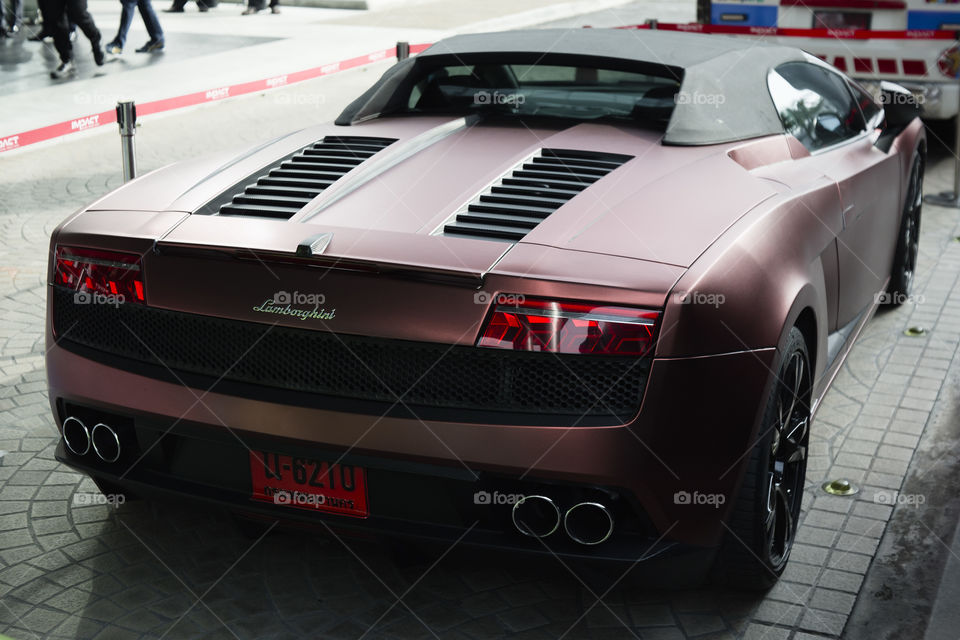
[[127, 120], [403, 50]]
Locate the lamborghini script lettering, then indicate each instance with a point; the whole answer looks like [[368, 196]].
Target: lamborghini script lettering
[[269, 306]]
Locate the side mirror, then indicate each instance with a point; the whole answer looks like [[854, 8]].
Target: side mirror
[[900, 108], [899, 105]]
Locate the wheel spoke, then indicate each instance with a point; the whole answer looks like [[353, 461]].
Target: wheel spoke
[[771, 518]]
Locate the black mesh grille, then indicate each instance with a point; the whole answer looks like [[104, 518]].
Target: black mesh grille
[[343, 366], [288, 186], [521, 200]]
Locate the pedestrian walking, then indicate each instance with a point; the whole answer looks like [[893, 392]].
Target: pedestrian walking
[[59, 14], [150, 21], [14, 18], [256, 6], [202, 5]]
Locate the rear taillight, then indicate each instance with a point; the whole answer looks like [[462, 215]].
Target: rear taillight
[[101, 273], [570, 327]]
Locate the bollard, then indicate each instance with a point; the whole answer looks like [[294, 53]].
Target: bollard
[[127, 119], [703, 11], [403, 50], [950, 198]]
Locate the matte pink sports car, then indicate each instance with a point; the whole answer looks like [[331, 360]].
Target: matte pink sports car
[[573, 292]]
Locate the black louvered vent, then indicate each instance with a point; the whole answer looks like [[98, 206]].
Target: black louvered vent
[[520, 201], [295, 181]]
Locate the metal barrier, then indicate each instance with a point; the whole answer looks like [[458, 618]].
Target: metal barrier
[[127, 119]]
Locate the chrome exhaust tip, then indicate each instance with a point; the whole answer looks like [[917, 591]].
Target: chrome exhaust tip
[[588, 523], [535, 516], [106, 442], [76, 436]]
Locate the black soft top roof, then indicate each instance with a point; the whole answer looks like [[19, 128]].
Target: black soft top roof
[[723, 94]]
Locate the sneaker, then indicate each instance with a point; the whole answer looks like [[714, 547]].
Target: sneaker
[[249, 11], [174, 10], [203, 8], [65, 69], [151, 46], [39, 36], [114, 48], [98, 56], [274, 9]]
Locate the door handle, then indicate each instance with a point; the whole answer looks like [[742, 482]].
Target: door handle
[[846, 212]]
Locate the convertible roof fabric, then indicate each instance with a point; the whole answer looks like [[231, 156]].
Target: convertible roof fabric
[[723, 95]]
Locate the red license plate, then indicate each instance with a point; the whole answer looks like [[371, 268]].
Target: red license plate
[[304, 483]]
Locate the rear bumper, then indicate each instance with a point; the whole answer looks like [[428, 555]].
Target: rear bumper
[[693, 433]]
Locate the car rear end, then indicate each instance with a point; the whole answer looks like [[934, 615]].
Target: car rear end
[[388, 396]]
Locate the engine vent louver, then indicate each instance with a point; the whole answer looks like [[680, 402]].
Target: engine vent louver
[[293, 182], [522, 199]]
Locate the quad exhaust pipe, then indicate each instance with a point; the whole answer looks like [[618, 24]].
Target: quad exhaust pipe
[[586, 523], [536, 516], [76, 436], [103, 439]]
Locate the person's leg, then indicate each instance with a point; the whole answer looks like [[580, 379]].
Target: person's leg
[[55, 20], [55, 23], [126, 18], [150, 20], [253, 6], [15, 20], [78, 14]]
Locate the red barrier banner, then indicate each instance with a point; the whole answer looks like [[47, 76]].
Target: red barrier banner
[[91, 121]]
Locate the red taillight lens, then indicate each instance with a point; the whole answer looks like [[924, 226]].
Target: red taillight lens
[[570, 327], [103, 273]]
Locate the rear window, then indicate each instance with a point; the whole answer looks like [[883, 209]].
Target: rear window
[[542, 90]]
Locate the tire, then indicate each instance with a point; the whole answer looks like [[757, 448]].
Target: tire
[[763, 524], [908, 240]]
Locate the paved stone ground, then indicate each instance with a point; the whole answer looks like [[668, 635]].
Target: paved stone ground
[[76, 571]]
